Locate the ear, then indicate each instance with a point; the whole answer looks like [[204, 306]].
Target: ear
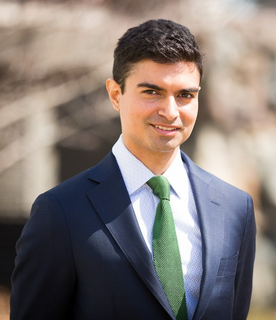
[[114, 92]]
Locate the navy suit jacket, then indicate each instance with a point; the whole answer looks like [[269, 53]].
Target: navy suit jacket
[[82, 256]]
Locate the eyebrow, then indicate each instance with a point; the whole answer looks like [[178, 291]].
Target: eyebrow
[[155, 87], [149, 85]]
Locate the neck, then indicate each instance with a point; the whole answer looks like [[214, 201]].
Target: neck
[[157, 162]]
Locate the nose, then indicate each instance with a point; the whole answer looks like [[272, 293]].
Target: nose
[[169, 109]]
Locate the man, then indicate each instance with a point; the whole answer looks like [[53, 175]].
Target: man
[[89, 249]]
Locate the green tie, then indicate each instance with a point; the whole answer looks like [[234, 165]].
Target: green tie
[[166, 254]]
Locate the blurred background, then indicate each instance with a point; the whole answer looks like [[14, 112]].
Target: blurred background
[[56, 119]]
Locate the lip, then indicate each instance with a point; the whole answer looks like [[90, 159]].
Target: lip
[[164, 129]]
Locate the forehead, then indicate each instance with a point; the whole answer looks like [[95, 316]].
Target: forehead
[[183, 72]]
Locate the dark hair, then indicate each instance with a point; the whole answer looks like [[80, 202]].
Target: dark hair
[[162, 41]]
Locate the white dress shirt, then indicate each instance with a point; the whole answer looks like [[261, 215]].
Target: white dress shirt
[[136, 175]]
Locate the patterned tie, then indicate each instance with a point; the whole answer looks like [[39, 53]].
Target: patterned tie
[[166, 254]]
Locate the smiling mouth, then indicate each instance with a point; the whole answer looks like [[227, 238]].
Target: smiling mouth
[[165, 128]]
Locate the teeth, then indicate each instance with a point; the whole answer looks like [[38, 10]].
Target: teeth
[[165, 128]]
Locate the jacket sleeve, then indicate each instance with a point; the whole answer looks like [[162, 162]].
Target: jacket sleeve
[[243, 282], [43, 280]]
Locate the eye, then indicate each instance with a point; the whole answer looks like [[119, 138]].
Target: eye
[[150, 92], [187, 95]]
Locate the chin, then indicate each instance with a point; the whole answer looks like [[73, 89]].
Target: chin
[[168, 148]]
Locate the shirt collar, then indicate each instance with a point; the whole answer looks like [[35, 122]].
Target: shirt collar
[[136, 174], [177, 176]]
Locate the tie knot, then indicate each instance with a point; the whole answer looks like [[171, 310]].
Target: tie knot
[[160, 187]]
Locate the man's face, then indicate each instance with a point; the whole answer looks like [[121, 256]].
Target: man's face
[[159, 107]]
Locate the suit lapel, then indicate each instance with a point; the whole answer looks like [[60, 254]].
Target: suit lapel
[[211, 218], [112, 203]]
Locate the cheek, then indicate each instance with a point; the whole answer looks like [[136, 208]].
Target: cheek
[[189, 115], [138, 112], [130, 116]]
